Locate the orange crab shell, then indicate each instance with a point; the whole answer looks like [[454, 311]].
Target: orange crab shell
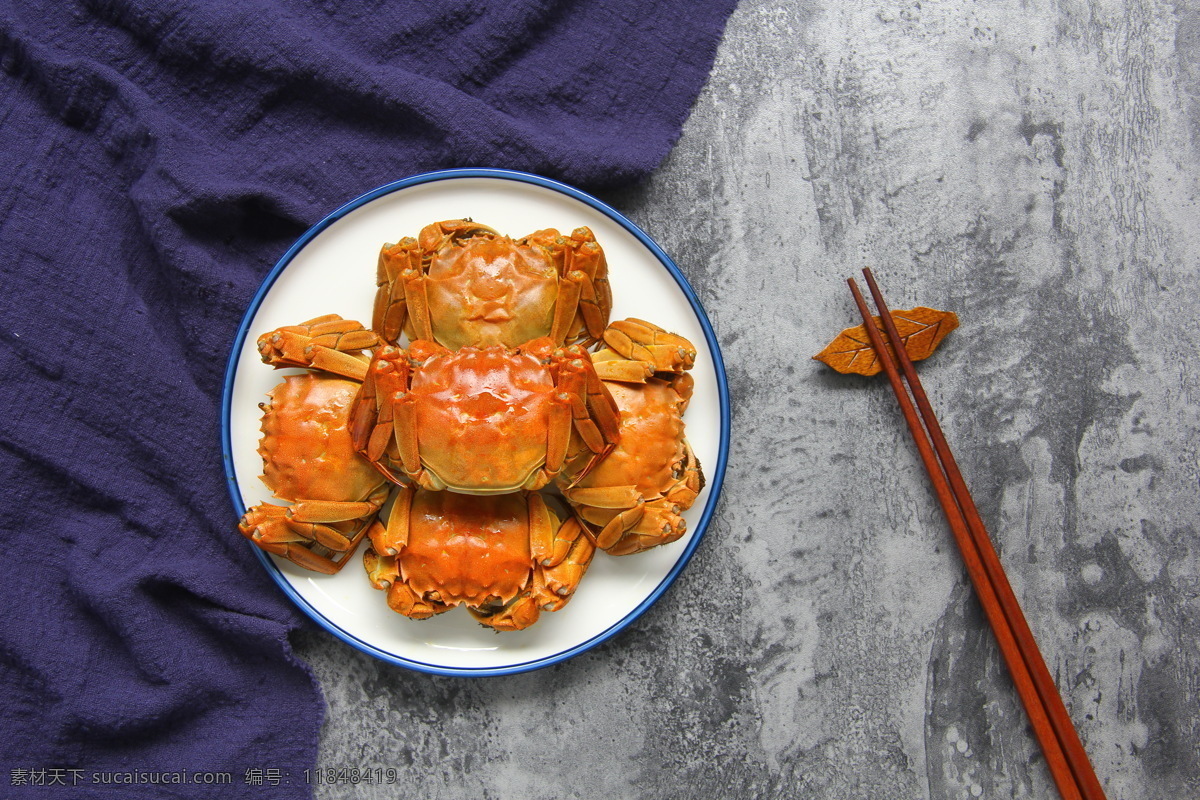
[[472, 552], [461, 284], [491, 290], [482, 417], [306, 446], [651, 441], [505, 557], [331, 493], [482, 420]]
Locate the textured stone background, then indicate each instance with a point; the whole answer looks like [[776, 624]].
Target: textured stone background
[[1032, 166]]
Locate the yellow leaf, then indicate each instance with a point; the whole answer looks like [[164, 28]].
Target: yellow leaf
[[921, 329]]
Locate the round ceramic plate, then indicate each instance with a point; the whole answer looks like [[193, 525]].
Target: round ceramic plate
[[331, 270]]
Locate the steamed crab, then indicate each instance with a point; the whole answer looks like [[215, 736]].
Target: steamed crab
[[493, 405], [480, 420], [634, 497], [308, 457], [460, 283], [505, 557]]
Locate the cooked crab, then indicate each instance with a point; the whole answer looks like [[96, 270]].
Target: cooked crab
[[505, 557], [481, 420], [634, 497], [460, 283], [309, 460]]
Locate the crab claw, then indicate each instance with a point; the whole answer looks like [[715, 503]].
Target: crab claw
[[328, 343], [638, 340], [315, 546]]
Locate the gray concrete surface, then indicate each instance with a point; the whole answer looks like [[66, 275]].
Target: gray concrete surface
[[1032, 166]]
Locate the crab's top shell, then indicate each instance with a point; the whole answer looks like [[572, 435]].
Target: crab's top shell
[[489, 290], [306, 448], [473, 550], [482, 417], [651, 441]]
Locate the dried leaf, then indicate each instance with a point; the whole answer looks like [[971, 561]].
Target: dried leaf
[[921, 329]]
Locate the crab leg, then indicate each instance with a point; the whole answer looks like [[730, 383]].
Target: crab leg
[[331, 510], [603, 409], [340, 334], [402, 599], [604, 496], [569, 369], [405, 431], [692, 483], [662, 528], [595, 303], [327, 343], [610, 366], [560, 544], [541, 530], [268, 523], [384, 573], [593, 410], [647, 525], [391, 303], [562, 578], [587, 266], [391, 540], [564, 310], [550, 588], [338, 363], [372, 423], [617, 524], [630, 523], [683, 384], [584, 301], [272, 529], [593, 310], [572, 380], [303, 557], [418, 305], [558, 432], [364, 414], [520, 613], [639, 340], [311, 519]]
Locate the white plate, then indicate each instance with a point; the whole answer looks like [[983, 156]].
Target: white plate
[[331, 269]]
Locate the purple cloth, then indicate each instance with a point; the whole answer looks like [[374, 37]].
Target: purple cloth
[[158, 157]]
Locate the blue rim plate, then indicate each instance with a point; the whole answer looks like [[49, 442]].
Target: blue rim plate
[[331, 269]]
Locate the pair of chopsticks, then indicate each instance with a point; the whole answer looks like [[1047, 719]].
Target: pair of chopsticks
[[1069, 766]]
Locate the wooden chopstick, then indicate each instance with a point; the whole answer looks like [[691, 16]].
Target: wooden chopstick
[[1060, 721], [1068, 762]]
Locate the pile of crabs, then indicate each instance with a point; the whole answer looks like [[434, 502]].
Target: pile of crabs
[[515, 433]]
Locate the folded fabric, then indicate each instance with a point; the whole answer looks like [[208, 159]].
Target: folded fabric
[[158, 157]]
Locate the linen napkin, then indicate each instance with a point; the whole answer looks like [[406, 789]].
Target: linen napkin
[[158, 157]]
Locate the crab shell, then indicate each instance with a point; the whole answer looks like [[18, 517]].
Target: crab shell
[[651, 445], [306, 447], [482, 420], [505, 557], [464, 284]]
